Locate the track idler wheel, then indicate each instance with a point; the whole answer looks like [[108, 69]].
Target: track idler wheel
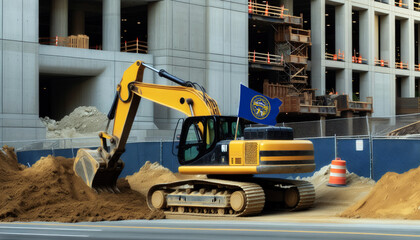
[[238, 201], [159, 199], [291, 197]]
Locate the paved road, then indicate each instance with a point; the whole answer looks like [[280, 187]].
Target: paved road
[[204, 229]]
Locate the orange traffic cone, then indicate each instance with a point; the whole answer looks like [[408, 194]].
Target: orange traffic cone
[[250, 6], [400, 3], [253, 59], [268, 58], [337, 173]]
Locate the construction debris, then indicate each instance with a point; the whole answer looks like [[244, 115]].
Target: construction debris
[[394, 196], [82, 122], [410, 129]]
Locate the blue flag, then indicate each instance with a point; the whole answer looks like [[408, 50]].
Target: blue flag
[[258, 108]]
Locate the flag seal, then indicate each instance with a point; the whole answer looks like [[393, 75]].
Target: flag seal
[[260, 107]]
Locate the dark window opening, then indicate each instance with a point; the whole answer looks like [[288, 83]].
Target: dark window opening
[[356, 86], [330, 29], [355, 33], [330, 84], [134, 26], [397, 41]]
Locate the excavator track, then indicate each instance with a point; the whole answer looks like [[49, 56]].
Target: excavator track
[[208, 197], [214, 197]]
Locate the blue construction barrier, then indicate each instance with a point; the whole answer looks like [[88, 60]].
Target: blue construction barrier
[[388, 155]]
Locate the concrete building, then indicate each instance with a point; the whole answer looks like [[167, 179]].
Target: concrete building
[[204, 41], [384, 33], [201, 41]]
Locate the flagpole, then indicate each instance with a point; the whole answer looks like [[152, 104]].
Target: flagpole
[[237, 124], [237, 120]]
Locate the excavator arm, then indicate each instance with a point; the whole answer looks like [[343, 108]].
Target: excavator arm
[[100, 168]]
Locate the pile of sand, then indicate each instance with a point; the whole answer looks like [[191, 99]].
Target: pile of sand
[[82, 122], [151, 174], [394, 196], [50, 191], [335, 199]]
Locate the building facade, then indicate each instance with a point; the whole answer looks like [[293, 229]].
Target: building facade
[[204, 41]]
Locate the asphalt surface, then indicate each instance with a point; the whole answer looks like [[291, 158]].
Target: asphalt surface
[[205, 229]]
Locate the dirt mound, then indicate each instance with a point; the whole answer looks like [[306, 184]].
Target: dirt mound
[[151, 174], [82, 122], [413, 128], [336, 199], [394, 196], [50, 191]]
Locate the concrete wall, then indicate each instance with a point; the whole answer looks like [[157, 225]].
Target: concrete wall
[[19, 70], [204, 42]]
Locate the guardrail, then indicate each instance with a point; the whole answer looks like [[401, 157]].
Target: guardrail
[[401, 65], [358, 59], [416, 6], [73, 41], [400, 3], [267, 10], [381, 62], [134, 46], [265, 58], [335, 56]]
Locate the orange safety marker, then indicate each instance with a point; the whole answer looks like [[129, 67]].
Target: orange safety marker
[[335, 57], [282, 59], [253, 59], [352, 59], [268, 58], [401, 65], [56, 40], [337, 173], [382, 63], [266, 9], [360, 59], [250, 6], [400, 3], [281, 11]]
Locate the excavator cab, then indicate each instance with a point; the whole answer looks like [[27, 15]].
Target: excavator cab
[[202, 139]]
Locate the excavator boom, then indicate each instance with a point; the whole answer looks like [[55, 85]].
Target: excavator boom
[[100, 168]]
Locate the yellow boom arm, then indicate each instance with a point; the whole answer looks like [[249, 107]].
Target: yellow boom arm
[[131, 89]]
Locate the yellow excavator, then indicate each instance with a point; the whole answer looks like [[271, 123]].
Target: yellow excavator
[[218, 146]]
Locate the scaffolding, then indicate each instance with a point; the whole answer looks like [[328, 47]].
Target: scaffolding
[[291, 42]]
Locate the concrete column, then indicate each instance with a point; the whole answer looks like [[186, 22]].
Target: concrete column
[[376, 37], [343, 81], [59, 18], [365, 86], [407, 88], [406, 41], [411, 44], [418, 47], [78, 22], [342, 30], [288, 4], [364, 35], [111, 25], [387, 38], [318, 45]]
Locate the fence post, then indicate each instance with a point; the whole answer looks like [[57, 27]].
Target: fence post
[[370, 149], [335, 146], [161, 153]]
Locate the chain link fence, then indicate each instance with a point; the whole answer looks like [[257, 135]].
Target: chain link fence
[[401, 126]]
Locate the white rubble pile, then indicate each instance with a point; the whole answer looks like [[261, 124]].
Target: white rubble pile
[[82, 122]]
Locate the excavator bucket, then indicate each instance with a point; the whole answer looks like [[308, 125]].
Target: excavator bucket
[[95, 172]]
